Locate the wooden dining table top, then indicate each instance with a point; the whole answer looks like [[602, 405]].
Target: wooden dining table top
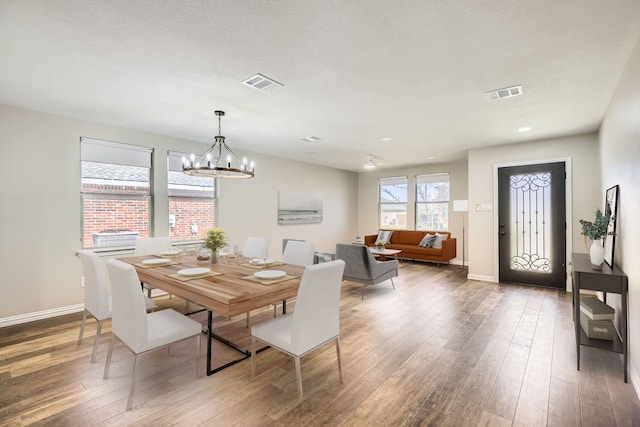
[[227, 294]]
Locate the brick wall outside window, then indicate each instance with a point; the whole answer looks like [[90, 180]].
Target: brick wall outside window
[[104, 212], [189, 211]]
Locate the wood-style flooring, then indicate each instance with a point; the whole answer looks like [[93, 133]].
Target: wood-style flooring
[[439, 350]]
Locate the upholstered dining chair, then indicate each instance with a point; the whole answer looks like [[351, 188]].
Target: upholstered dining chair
[[97, 301], [140, 331], [151, 246], [297, 252], [363, 267], [315, 321], [255, 247]]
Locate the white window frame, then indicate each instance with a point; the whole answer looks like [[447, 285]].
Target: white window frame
[[444, 202], [174, 164], [396, 180], [115, 154]]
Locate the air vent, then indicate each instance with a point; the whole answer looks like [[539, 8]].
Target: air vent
[[311, 138], [506, 92], [261, 82]]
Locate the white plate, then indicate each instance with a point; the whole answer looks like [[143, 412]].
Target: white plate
[[261, 261], [194, 271], [270, 274], [155, 261], [169, 253]]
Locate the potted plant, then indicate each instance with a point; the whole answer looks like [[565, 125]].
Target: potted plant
[[215, 239], [380, 244], [596, 230]]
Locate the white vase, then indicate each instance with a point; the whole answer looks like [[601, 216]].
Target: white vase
[[596, 253]]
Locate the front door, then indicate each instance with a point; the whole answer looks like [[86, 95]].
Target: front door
[[532, 227]]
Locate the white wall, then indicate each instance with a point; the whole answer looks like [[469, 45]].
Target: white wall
[[368, 198], [40, 204], [586, 196], [620, 163]]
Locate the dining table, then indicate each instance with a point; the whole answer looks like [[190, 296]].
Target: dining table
[[228, 289]]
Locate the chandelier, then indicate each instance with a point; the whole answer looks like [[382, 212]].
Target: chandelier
[[215, 164]]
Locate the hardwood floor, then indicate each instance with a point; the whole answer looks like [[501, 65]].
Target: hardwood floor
[[439, 350]]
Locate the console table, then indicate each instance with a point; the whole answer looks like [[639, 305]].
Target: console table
[[606, 280]]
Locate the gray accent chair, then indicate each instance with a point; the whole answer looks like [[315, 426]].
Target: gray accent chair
[[362, 267]]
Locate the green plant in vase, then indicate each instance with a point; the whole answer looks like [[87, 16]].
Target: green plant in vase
[[380, 245], [215, 239], [596, 230]]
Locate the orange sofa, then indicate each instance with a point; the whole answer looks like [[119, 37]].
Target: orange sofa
[[408, 242]]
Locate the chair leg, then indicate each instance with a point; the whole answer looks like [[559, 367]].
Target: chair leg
[[393, 284], [253, 357], [275, 310], [84, 320], [149, 292], [339, 360], [96, 341], [299, 379], [248, 314], [198, 348], [132, 389], [107, 364]]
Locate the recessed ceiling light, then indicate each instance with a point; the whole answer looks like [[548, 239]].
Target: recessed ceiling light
[[386, 139], [311, 139], [525, 129], [430, 158]]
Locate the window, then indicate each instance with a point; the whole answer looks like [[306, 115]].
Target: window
[[432, 202], [191, 201], [115, 193], [393, 202]]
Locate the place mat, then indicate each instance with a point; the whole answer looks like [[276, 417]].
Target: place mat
[[169, 262], [261, 266], [176, 255], [255, 279], [187, 278]]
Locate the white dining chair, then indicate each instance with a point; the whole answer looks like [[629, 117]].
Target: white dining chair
[[255, 247], [140, 331], [151, 246], [297, 252], [97, 301], [315, 322]]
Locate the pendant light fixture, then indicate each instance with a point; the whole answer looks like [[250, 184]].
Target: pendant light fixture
[[218, 161]]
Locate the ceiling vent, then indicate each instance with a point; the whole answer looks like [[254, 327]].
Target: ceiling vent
[[261, 82], [506, 92]]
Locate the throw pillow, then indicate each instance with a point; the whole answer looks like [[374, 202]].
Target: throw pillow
[[428, 240], [384, 236], [439, 238]]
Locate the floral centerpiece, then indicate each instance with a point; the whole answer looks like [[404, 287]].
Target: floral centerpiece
[[214, 239], [380, 244], [595, 230]]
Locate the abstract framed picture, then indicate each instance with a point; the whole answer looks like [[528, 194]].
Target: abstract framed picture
[[299, 208], [610, 210]]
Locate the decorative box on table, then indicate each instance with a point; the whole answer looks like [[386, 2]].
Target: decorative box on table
[[596, 319]]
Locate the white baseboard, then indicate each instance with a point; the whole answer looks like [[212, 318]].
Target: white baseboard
[[633, 377], [39, 315], [482, 278]]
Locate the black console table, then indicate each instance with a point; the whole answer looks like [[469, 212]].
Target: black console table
[[605, 280]]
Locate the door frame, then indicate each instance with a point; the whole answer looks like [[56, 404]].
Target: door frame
[[568, 212]]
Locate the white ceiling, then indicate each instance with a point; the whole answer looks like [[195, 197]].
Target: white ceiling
[[354, 71]]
